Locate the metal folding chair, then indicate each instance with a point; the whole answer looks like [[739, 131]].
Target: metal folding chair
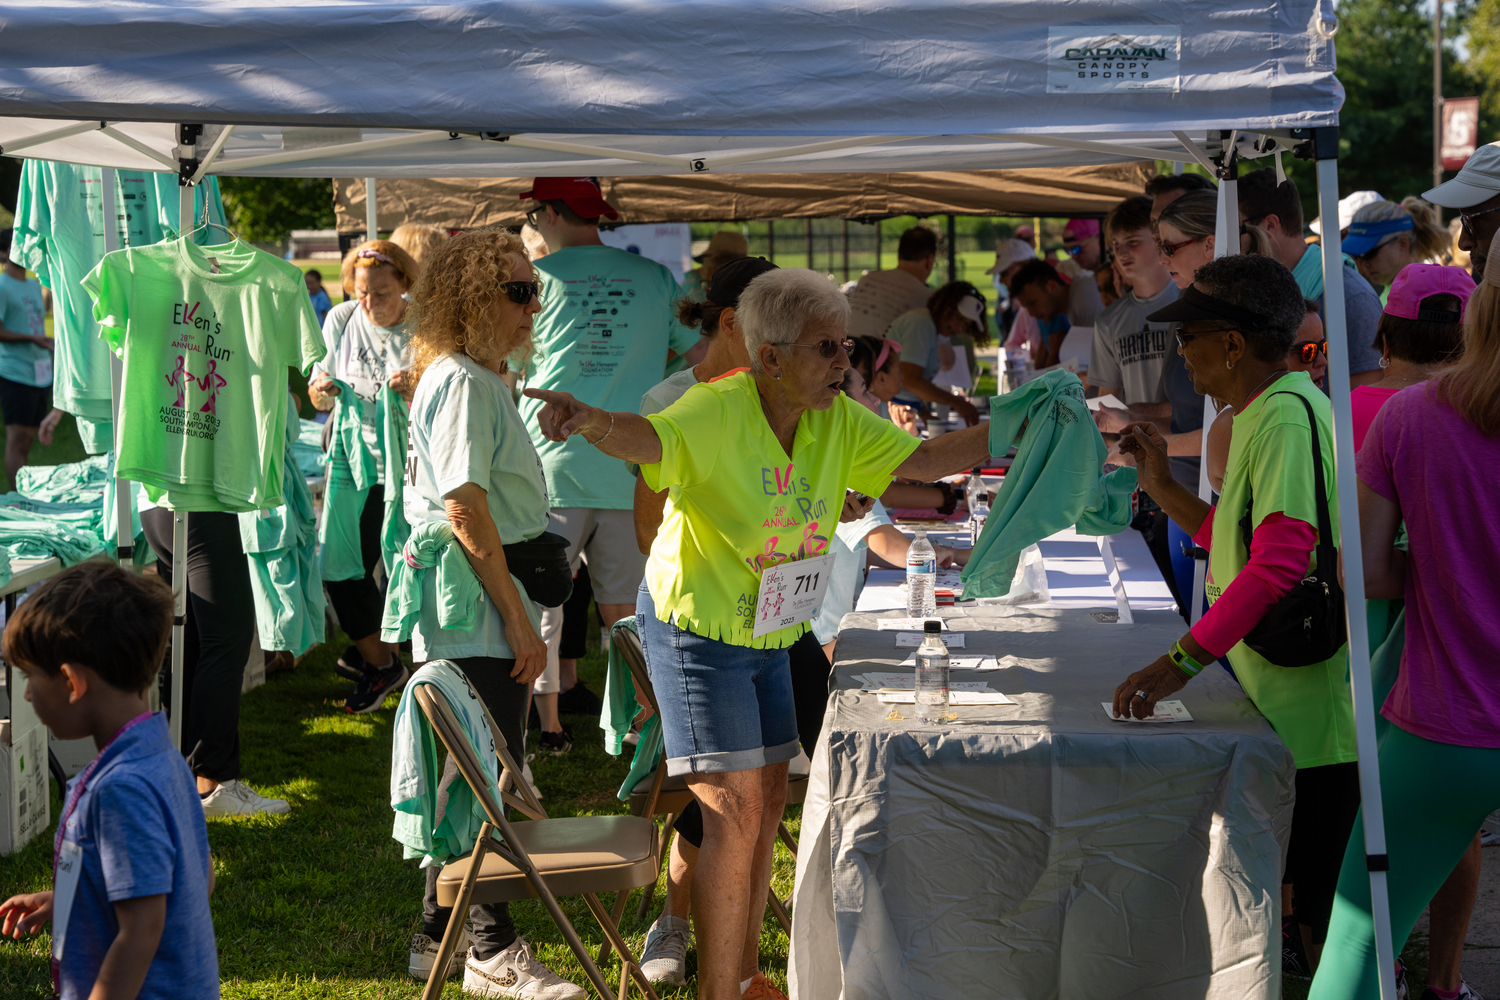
[[660, 794], [539, 857]]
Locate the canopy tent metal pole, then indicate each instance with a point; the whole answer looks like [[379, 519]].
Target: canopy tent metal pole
[[77, 128], [124, 535], [1326, 151], [187, 150], [372, 213]]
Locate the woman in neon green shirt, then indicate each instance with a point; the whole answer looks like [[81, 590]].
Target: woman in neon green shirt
[[762, 460]]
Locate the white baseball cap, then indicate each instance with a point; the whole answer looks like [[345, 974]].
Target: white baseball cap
[[1478, 181], [1010, 253], [1347, 207]]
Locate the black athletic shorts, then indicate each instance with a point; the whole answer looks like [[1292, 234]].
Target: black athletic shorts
[[26, 405]]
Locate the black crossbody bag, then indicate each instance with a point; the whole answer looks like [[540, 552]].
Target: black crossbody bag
[[1307, 625], [541, 564]]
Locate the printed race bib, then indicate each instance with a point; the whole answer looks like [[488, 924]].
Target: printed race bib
[[791, 593], [69, 869], [43, 370]]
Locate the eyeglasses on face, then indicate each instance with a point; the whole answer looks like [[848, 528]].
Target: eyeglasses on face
[[1467, 218], [1309, 350], [533, 215], [1170, 249], [522, 292], [826, 348], [1185, 337]]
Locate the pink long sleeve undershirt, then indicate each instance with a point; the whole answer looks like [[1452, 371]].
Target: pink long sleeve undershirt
[[1279, 554]]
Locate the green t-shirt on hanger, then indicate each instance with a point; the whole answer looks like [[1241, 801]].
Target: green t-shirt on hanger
[[206, 335]]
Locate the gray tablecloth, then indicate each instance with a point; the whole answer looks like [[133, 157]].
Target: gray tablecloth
[[1041, 850]]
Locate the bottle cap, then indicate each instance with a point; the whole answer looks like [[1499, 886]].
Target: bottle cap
[[932, 626]]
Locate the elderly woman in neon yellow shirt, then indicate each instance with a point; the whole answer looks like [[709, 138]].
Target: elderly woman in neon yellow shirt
[[762, 459]]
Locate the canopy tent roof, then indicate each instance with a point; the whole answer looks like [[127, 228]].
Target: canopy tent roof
[[507, 88], [462, 203]]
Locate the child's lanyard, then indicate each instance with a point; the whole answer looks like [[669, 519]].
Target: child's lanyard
[[67, 856]]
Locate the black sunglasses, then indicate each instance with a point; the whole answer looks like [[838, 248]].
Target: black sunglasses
[[522, 292], [826, 348], [1467, 218]]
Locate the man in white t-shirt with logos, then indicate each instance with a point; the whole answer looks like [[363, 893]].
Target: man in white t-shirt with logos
[[605, 332], [881, 296]]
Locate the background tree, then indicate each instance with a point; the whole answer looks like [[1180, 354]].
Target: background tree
[[266, 209]]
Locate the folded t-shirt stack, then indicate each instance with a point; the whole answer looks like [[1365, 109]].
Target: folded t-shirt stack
[[75, 482], [81, 495]]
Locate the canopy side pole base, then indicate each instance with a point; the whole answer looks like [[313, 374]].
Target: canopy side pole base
[[1325, 146]]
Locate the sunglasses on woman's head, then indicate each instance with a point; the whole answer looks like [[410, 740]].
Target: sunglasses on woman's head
[[1170, 249], [826, 348], [522, 292], [1309, 349]]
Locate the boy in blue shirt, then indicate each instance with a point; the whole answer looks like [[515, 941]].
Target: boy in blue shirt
[[131, 870]]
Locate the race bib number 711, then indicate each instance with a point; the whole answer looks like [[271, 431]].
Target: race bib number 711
[[791, 593]]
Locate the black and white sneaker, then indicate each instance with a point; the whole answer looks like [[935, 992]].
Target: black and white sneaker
[[371, 692], [351, 665], [556, 744], [1293, 955]]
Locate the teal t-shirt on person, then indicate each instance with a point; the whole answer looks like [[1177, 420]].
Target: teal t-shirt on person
[[464, 428], [606, 325], [917, 334], [22, 311]]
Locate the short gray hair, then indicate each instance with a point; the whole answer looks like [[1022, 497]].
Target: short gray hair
[[779, 305], [1263, 290]]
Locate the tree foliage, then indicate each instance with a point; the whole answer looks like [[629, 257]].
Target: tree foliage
[[268, 208]]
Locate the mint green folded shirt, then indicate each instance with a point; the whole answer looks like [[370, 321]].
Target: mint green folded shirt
[[620, 710], [1053, 483]]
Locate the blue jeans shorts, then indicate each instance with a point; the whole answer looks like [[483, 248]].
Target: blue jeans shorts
[[723, 707]]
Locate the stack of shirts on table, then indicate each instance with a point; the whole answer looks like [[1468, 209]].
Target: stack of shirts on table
[[79, 495], [64, 530]]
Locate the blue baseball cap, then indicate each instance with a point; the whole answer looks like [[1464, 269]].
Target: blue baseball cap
[[1365, 236]]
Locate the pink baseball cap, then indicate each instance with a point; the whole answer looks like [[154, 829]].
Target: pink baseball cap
[[1078, 230], [1417, 282]]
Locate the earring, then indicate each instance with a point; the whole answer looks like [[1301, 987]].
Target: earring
[[1228, 364], [777, 375], [1385, 362]]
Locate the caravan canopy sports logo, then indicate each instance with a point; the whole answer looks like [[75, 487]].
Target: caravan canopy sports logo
[[1106, 60]]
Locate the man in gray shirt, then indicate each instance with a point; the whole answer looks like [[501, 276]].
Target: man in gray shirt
[[1129, 353]]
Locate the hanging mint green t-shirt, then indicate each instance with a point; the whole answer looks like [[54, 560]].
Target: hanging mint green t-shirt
[[607, 322], [22, 311], [60, 236], [203, 417]]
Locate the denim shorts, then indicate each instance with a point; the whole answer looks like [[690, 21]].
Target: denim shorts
[[723, 707]]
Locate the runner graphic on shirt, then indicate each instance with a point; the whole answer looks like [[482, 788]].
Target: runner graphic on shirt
[[211, 383], [179, 377]]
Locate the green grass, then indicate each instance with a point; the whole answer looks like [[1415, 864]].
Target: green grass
[[319, 903]]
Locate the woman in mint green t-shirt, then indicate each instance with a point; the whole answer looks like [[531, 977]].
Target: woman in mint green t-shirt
[[758, 463]]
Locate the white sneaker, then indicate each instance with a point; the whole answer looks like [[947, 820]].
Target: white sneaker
[[424, 953], [515, 973], [664, 959], [235, 798]]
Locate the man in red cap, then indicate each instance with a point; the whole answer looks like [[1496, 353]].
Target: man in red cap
[[1081, 241], [605, 332]]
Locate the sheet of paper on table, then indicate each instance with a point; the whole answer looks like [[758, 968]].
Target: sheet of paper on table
[[955, 697], [907, 624], [953, 640], [978, 662], [876, 680], [1166, 711], [1109, 399]]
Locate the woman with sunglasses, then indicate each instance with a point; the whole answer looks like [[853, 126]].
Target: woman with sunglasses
[[1309, 351], [368, 351], [759, 463], [1386, 237], [1185, 235], [471, 466], [1237, 321]]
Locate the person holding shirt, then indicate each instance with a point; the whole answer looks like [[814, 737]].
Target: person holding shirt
[[472, 465], [367, 338], [1429, 460], [758, 464], [1237, 321], [25, 359], [607, 327]]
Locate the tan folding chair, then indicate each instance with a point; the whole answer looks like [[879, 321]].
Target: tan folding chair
[[539, 857], [660, 794]]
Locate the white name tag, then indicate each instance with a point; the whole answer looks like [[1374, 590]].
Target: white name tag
[[43, 369], [791, 593], [69, 869]]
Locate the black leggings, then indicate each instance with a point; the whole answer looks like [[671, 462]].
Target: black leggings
[[358, 602], [810, 672], [1327, 801], [219, 629], [494, 930]]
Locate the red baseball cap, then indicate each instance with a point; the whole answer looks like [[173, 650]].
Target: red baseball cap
[[581, 194], [1417, 282]]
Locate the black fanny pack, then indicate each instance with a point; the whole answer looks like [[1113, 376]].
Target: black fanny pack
[[541, 564], [1307, 625]]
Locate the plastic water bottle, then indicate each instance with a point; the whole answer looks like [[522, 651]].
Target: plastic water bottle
[[977, 515], [932, 675], [921, 578], [973, 488]]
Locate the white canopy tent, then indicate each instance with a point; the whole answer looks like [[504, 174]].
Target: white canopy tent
[[319, 88]]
